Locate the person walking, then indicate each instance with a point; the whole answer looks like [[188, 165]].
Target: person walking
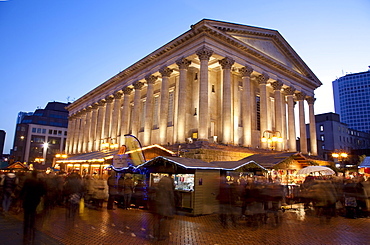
[[113, 190], [164, 207], [128, 189], [10, 182], [31, 193], [74, 191]]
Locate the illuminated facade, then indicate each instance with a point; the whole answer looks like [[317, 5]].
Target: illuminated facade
[[219, 82]]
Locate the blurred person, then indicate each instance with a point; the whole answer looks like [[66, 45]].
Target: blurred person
[[128, 189], [100, 192], [9, 183], [74, 191], [164, 207], [324, 199], [139, 193], [227, 202], [31, 193], [113, 190]]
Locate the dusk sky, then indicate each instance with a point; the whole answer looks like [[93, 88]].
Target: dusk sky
[[60, 50]]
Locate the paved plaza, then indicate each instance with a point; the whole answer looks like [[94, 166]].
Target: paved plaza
[[135, 227]]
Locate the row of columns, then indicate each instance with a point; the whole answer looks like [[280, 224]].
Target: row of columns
[[106, 119]]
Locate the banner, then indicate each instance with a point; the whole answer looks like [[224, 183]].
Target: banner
[[134, 149]]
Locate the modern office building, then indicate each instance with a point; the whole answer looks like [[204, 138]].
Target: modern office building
[[352, 100], [41, 135], [218, 82], [335, 136]]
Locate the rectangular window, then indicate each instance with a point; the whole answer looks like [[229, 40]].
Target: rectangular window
[[50, 131], [33, 130], [258, 113], [170, 109], [60, 132], [155, 116], [322, 137], [39, 130], [142, 119], [321, 128], [44, 131], [55, 132]]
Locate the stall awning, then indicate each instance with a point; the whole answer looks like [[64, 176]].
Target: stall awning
[[182, 162], [365, 163]]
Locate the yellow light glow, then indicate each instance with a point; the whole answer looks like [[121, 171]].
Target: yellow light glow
[[343, 154], [274, 138], [263, 140], [335, 155], [280, 140], [57, 155], [64, 155]]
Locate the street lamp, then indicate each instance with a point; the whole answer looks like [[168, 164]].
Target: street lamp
[[340, 156], [271, 137]]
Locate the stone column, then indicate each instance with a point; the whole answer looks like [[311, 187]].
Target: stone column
[[69, 144], [302, 124], [247, 98], [148, 124], [125, 115], [204, 55], [262, 81], [226, 65], [76, 132], [313, 139], [183, 65], [116, 116], [100, 124], [107, 118], [94, 120], [277, 85], [85, 146], [163, 118], [291, 119], [81, 132], [136, 111]]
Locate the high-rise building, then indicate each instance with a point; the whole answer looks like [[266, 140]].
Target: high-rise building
[[352, 100], [41, 134]]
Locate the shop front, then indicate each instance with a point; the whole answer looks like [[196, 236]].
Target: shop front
[[196, 182]]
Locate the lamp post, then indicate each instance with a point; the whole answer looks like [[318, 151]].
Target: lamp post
[[271, 137], [340, 156]]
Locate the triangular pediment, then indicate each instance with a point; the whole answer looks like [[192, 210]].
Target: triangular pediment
[[267, 47]]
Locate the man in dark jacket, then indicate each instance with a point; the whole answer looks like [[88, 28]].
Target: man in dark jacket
[[31, 193]]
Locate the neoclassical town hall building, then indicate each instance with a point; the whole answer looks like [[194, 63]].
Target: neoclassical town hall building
[[218, 82]]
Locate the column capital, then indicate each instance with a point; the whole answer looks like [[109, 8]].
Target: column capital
[[89, 108], [300, 96], [262, 79], [94, 106], [226, 63], [204, 53], [183, 63], [289, 90], [151, 79], [138, 85], [310, 100], [109, 99], [118, 95], [165, 71], [128, 90], [102, 102], [277, 85], [246, 71]]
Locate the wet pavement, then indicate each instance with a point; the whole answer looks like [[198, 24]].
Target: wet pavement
[[135, 226]]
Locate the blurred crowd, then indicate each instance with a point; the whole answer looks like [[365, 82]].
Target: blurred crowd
[[257, 200]]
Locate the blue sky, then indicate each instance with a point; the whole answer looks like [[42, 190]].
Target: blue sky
[[60, 50]]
